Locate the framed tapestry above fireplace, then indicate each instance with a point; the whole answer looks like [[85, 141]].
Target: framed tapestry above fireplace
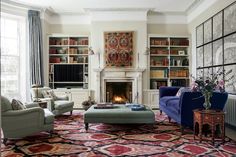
[[118, 49]]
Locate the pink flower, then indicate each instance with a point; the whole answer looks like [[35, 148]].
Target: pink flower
[[221, 83], [194, 86]]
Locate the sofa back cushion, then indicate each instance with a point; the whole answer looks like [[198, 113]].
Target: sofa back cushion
[[183, 89], [5, 104]]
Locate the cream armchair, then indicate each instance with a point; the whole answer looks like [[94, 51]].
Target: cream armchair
[[57, 105], [25, 122]]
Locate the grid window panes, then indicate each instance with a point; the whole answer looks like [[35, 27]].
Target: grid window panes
[[219, 46], [12, 56]]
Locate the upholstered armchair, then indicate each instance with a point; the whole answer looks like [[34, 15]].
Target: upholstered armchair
[[56, 104], [24, 122]]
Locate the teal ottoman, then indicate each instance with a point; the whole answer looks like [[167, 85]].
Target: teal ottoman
[[120, 114]]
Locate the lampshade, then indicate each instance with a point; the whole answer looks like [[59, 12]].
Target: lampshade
[[36, 86]]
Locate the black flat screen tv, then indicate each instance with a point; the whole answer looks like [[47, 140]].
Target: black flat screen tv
[[68, 73]]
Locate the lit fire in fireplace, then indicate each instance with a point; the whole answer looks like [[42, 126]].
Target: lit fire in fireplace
[[119, 99]]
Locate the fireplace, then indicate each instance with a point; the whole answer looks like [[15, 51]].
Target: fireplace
[[119, 92]]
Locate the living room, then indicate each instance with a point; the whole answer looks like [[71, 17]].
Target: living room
[[60, 57]]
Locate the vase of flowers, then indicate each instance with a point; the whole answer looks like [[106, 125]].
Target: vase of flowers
[[208, 85], [207, 103]]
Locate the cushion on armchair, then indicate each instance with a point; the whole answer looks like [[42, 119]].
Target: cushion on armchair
[[49, 94], [17, 105]]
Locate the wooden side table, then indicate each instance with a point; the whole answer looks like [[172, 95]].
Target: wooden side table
[[215, 119]]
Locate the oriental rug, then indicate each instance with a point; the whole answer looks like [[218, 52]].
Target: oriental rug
[[70, 139]]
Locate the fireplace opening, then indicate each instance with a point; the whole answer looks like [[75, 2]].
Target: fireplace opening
[[119, 92]]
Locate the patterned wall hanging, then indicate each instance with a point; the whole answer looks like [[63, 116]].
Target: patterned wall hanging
[[118, 49]]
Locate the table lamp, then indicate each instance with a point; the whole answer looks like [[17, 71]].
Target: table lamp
[[36, 86]]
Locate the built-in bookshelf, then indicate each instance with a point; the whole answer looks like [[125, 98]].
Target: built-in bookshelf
[[169, 61], [68, 61]]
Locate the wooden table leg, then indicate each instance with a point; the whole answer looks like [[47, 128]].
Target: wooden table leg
[[86, 126], [212, 134], [200, 132]]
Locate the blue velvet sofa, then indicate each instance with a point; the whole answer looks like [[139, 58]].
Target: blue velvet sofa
[[180, 108]]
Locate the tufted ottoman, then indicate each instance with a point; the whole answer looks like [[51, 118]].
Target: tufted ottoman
[[120, 114]]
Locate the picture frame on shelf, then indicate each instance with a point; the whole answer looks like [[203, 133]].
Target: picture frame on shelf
[[181, 53]]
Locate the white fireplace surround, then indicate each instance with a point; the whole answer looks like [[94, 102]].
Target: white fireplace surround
[[119, 75]]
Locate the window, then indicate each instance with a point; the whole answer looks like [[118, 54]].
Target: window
[[13, 56], [216, 45]]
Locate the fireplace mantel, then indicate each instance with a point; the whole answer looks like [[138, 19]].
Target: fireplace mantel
[[134, 75]]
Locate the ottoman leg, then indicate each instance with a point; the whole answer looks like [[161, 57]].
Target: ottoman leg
[[86, 126]]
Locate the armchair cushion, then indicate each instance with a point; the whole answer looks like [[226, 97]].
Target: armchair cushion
[[60, 104], [31, 104], [5, 104], [17, 105], [49, 116], [49, 94]]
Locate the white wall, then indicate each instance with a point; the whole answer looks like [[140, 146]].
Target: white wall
[[168, 29], [70, 29]]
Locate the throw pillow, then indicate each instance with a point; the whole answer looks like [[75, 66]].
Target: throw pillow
[[17, 105], [49, 94], [181, 90]]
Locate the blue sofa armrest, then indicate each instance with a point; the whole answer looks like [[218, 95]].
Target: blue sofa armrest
[[189, 101], [168, 91]]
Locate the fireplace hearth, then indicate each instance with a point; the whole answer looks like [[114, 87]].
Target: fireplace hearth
[[119, 92]]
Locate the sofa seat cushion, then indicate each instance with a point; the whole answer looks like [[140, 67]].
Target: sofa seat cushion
[[61, 104], [172, 103], [166, 99], [49, 116]]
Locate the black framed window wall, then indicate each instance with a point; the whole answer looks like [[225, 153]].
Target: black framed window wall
[[216, 46]]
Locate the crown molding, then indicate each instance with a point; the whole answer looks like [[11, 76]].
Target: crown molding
[[203, 6], [167, 19], [119, 15]]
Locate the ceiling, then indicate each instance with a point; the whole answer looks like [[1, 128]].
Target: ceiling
[[84, 6]]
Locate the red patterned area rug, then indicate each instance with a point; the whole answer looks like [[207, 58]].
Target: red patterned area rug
[[70, 139]]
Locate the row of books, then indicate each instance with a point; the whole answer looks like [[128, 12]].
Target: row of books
[[159, 42], [65, 41], [181, 42], [179, 73], [159, 62], [159, 51], [78, 59], [78, 51], [159, 73]]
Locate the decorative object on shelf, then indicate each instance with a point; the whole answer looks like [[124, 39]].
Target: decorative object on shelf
[[181, 52], [88, 103], [185, 62], [207, 86], [119, 49], [36, 86]]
